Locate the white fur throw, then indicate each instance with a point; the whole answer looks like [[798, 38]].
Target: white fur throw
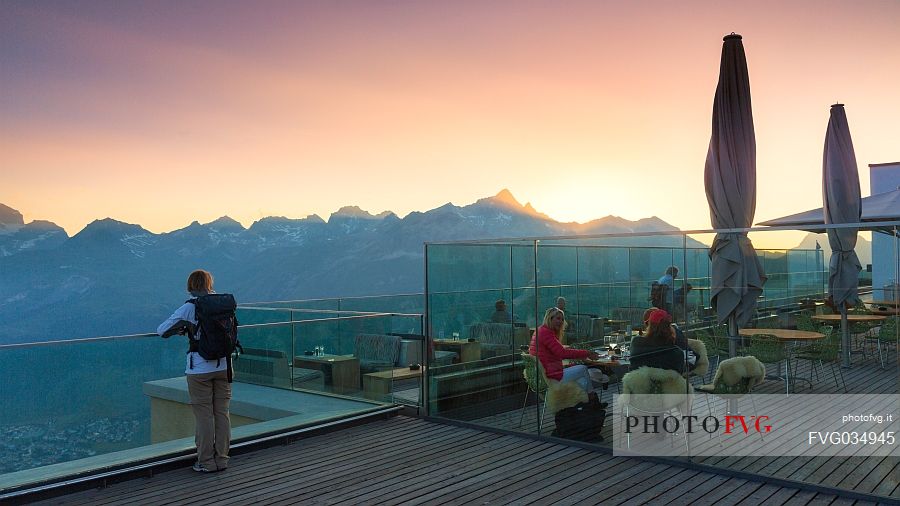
[[655, 390], [564, 395], [731, 373], [699, 349]]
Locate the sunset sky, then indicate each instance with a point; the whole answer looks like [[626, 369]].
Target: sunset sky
[[163, 112]]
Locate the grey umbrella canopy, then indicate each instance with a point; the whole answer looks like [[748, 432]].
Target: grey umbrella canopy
[[730, 179], [842, 204], [879, 207]]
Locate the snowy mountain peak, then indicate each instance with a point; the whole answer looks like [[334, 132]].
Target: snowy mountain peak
[[356, 212]]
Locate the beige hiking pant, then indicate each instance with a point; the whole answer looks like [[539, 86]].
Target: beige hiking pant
[[210, 395]]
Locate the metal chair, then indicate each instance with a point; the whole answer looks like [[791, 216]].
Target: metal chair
[[887, 334], [654, 391], [827, 350], [537, 383], [735, 378], [768, 349]]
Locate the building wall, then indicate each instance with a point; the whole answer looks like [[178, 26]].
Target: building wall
[[884, 177]]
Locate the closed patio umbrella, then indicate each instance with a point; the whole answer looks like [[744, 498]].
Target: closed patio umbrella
[[841, 204], [730, 180]]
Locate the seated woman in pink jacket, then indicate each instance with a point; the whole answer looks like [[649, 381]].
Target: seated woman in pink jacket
[[546, 346]]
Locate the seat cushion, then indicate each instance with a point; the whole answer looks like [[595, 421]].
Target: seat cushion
[[444, 357], [367, 366]]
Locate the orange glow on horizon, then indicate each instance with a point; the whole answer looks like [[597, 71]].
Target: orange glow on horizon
[[585, 109]]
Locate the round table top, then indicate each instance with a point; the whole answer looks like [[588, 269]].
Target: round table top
[[786, 334], [850, 318]]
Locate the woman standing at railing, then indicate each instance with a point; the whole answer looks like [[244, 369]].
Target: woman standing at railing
[[207, 380]]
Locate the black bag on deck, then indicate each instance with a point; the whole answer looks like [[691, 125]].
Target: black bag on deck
[[582, 422], [217, 328]]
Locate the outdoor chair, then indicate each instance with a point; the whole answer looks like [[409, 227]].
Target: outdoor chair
[[861, 331], [712, 348], [701, 367], [735, 378], [654, 391], [887, 334], [579, 327], [556, 395], [377, 352], [495, 338], [768, 349], [826, 350], [537, 383], [805, 322]]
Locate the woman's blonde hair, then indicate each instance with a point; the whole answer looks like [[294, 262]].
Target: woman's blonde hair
[[550, 313], [200, 281]]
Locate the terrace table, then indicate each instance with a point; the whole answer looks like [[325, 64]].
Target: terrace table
[[786, 335], [377, 385], [469, 351], [852, 318], [884, 308], [341, 371]]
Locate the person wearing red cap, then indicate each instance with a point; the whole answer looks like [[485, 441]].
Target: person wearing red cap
[[657, 348]]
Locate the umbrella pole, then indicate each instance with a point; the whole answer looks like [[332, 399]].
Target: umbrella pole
[[845, 338], [733, 336]]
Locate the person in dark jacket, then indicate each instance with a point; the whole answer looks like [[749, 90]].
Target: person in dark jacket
[[657, 348]]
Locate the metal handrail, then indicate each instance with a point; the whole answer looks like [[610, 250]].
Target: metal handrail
[[865, 226], [154, 334]]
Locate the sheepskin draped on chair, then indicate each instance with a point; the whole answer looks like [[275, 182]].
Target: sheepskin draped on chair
[[558, 395], [701, 367], [736, 377], [671, 389]]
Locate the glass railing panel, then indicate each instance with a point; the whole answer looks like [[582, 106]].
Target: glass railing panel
[[254, 315], [74, 400], [120, 400], [475, 367], [406, 303], [360, 356]]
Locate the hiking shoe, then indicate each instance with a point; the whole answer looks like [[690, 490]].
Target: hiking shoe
[[200, 468]]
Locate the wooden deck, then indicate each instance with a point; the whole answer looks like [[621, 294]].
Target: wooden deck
[[409, 461], [871, 475]]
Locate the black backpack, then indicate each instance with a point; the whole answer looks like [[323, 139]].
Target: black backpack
[[217, 327]]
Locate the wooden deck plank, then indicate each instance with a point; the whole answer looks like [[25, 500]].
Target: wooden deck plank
[[690, 490], [415, 474], [886, 477], [351, 474], [324, 448], [566, 472], [801, 498], [281, 456], [659, 484], [760, 495], [412, 461], [507, 465]]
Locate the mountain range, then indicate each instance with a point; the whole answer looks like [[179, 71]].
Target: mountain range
[[114, 278]]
